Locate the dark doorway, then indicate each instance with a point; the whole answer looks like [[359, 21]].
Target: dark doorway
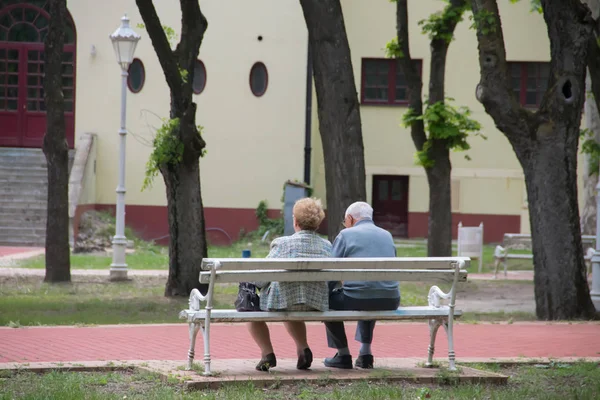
[[390, 203]]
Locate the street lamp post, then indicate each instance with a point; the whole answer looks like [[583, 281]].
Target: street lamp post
[[124, 41]]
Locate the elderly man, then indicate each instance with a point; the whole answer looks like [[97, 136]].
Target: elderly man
[[361, 238]]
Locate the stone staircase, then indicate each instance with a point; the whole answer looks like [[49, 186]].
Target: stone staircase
[[23, 197]]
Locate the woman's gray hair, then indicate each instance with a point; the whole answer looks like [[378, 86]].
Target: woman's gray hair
[[359, 210]]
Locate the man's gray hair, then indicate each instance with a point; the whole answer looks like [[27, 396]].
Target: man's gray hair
[[359, 210]]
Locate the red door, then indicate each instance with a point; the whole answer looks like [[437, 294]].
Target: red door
[[23, 28], [390, 203]]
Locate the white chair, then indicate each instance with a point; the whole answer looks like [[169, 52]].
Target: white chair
[[470, 242]]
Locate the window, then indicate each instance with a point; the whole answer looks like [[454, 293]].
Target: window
[[137, 76], [383, 82], [529, 81], [28, 22], [259, 79], [199, 77]]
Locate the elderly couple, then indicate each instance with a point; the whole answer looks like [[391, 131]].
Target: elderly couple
[[361, 238]]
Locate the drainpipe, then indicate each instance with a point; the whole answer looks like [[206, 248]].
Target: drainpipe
[[308, 116]]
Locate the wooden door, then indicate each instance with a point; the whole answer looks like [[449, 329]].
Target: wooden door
[[23, 28], [390, 203]]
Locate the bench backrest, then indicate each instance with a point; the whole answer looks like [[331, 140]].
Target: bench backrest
[[438, 269], [522, 241], [470, 240]]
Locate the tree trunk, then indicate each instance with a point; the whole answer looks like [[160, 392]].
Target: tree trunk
[[590, 169], [545, 143], [439, 232], [58, 263], [338, 109], [592, 124], [187, 245], [439, 237], [188, 242]]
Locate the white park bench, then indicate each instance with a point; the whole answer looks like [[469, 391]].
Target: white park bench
[[521, 241], [227, 270]]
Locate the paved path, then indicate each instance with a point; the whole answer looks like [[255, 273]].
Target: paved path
[[231, 341]]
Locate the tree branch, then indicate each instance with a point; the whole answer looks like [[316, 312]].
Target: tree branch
[[594, 64], [161, 46], [440, 43], [494, 90], [193, 26], [412, 74]]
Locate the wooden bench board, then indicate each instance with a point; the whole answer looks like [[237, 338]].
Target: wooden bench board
[[439, 276], [413, 312], [305, 264]]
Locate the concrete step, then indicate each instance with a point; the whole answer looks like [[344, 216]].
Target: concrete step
[[22, 231], [26, 186], [23, 190], [11, 179], [22, 202], [28, 221], [20, 211], [22, 197], [23, 241], [23, 172]]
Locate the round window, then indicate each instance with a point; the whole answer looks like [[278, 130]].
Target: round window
[[259, 79], [137, 76], [199, 77]]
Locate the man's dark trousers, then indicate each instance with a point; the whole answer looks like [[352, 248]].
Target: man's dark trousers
[[336, 334]]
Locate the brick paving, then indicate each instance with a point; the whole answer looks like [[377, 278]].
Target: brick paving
[[231, 341]]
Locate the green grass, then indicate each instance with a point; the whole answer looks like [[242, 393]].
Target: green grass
[[151, 257], [420, 250], [576, 381], [148, 257], [28, 301]]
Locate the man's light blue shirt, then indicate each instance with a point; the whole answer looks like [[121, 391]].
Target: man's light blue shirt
[[365, 239]]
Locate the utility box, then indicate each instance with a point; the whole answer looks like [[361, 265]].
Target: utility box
[[293, 192]]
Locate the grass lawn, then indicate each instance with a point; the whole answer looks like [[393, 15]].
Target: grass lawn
[[157, 257], [28, 301], [149, 256], [577, 381]]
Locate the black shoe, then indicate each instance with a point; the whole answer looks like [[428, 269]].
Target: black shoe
[[267, 362], [364, 361], [337, 361], [305, 360]]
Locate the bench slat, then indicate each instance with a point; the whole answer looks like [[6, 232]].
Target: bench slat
[[333, 275], [424, 312], [241, 264], [520, 256]]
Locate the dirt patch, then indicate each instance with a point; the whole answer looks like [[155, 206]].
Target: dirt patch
[[496, 296], [96, 230]]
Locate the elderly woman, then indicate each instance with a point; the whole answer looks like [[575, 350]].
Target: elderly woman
[[294, 296]]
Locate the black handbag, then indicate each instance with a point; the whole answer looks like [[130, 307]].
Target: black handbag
[[247, 298]]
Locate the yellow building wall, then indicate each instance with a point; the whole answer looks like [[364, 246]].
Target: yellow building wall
[[254, 143], [492, 181]]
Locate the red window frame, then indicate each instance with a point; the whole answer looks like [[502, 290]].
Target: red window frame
[[392, 74], [139, 62], [524, 76], [199, 64]]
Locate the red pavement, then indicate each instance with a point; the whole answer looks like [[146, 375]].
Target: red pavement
[[170, 342], [8, 251]]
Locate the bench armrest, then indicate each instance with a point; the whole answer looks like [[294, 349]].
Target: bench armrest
[[195, 299]]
